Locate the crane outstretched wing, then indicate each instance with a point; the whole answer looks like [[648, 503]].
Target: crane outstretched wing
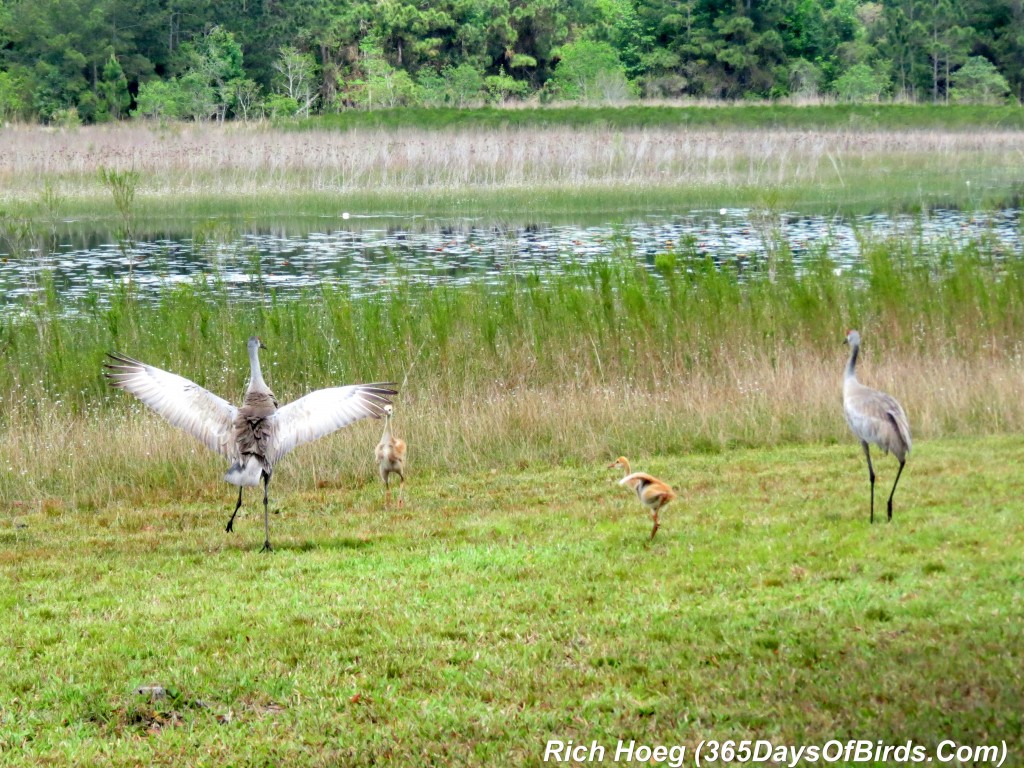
[[183, 403], [324, 411]]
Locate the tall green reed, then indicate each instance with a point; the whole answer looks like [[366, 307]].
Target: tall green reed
[[617, 320], [122, 186]]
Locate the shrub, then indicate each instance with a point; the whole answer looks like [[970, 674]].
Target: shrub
[[160, 99], [589, 71], [279, 105], [12, 98], [860, 83], [979, 82], [502, 87]]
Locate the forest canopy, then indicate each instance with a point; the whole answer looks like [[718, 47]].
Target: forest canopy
[[69, 61]]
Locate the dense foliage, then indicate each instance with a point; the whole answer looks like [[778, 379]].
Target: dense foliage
[[95, 60]]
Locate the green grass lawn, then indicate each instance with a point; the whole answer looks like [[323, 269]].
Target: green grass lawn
[[504, 608]]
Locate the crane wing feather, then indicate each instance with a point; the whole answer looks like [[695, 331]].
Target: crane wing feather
[[182, 402], [325, 411], [878, 418], [899, 421]]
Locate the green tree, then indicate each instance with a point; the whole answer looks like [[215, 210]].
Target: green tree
[[901, 45], [296, 78], [411, 35], [662, 77], [502, 87], [946, 41], [214, 67], [57, 87], [1001, 25], [114, 89], [541, 27], [278, 105], [247, 98], [13, 104], [618, 23], [587, 70], [807, 31], [747, 56], [860, 83], [804, 79], [62, 47], [432, 88], [160, 100], [382, 85], [485, 34], [979, 82], [465, 83], [199, 99]]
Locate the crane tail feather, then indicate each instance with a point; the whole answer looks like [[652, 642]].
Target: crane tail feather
[[247, 472]]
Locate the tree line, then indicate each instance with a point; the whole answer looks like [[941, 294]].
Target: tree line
[[98, 60]]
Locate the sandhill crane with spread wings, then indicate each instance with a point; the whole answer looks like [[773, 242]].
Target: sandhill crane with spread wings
[[390, 453], [257, 435], [875, 418], [652, 492]]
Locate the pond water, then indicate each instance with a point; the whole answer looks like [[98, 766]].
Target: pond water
[[364, 253]]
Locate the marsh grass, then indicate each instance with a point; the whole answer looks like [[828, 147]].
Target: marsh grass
[[501, 609], [679, 356], [265, 172], [735, 116]]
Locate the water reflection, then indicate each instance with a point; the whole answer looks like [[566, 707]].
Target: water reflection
[[365, 254]]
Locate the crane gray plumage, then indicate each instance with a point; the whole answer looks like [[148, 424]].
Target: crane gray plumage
[[876, 419], [257, 435]]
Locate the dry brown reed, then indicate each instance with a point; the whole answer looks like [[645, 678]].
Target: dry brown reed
[[249, 160], [110, 457]]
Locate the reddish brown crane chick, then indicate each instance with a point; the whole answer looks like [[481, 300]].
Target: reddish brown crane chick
[[391, 458], [652, 492]]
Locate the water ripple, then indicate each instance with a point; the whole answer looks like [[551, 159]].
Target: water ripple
[[364, 256]]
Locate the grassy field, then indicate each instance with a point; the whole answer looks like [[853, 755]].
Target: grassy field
[[500, 609], [516, 599]]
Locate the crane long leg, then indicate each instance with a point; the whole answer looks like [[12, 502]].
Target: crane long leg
[[401, 490], [656, 525], [266, 516], [231, 522], [900, 472], [871, 474]]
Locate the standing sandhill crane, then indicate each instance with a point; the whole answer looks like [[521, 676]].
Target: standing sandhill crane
[[652, 492], [257, 435], [390, 454], [874, 417]]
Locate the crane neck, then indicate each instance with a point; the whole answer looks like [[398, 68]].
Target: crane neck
[[851, 366], [256, 375]]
